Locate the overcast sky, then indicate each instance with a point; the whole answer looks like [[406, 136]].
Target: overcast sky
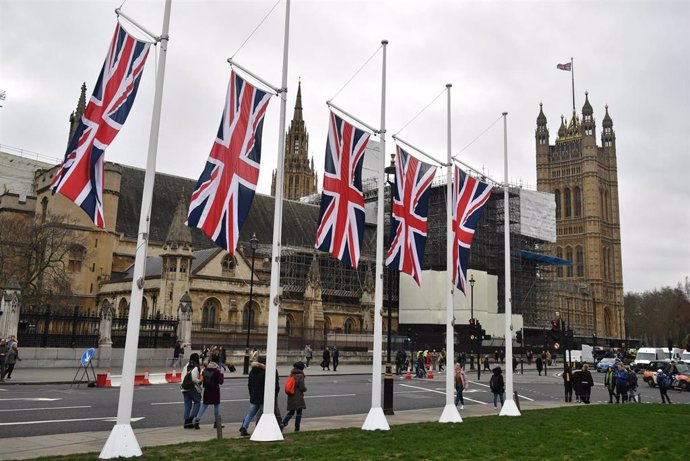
[[499, 56]]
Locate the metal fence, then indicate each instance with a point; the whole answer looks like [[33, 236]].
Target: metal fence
[[47, 327]]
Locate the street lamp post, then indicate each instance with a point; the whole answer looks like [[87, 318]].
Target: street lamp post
[[479, 341], [388, 377], [253, 243]]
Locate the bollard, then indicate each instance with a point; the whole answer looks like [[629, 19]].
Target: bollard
[[522, 371], [219, 427]]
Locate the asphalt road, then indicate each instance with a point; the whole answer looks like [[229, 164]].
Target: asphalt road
[[57, 409]]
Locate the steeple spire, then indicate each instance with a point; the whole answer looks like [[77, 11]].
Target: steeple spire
[[75, 117], [297, 116]]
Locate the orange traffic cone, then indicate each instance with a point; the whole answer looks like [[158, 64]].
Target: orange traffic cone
[[408, 375], [430, 374]]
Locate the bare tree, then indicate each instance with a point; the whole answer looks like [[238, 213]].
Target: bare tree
[[36, 253]]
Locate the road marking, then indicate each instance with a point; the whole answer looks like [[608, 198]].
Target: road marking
[[48, 408], [246, 400], [439, 392], [48, 421], [33, 399], [485, 385]]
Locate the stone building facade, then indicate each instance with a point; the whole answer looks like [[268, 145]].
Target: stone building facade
[[584, 180]]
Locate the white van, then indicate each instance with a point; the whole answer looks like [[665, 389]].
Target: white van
[[646, 355]]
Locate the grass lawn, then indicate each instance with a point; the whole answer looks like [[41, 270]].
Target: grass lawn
[[587, 432]]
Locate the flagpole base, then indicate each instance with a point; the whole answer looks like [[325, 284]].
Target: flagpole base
[[121, 443], [267, 430], [509, 408], [450, 415], [376, 420]]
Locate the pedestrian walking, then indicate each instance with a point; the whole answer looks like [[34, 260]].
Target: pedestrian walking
[[256, 385], [487, 359], [621, 384], [610, 383], [568, 383], [664, 382], [633, 396], [3, 357], [11, 359], [586, 383], [191, 391], [461, 384], [463, 360], [335, 357], [497, 386], [222, 357], [400, 358], [577, 382], [326, 362], [308, 354], [295, 400], [211, 378], [178, 352], [540, 364]]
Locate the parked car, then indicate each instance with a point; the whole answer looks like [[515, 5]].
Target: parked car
[[606, 363]]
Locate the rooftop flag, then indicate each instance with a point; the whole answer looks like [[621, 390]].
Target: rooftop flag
[[567, 66], [80, 177], [225, 191]]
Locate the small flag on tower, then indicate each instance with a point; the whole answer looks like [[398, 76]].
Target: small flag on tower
[[567, 66]]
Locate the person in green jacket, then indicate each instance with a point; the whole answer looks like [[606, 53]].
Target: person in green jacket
[[610, 383]]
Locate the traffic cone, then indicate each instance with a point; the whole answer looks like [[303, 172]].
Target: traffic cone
[[430, 374], [408, 375]]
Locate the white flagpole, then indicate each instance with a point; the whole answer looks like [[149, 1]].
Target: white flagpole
[[267, 429], [122, 442], [509, 408], [376, 420], [450, 411]]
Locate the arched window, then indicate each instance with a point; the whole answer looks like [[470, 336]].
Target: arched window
[[557, 195], [123, 308], [289, 322], [568, 204], [569, 257], [249, 316], [349, 326], [326, 325], [76, 256], [144, 308], [580, 261], [559, 269], [229, 263], [578, 202], [209, 313]]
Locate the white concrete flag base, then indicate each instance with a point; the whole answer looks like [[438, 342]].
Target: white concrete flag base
[[376, 420], [121, 443], [509, 408], [450, 415], [267, 430]]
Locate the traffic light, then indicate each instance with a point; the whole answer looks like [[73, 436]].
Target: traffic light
[[473, 329], [556, 331], [409, 335], [518, 337]]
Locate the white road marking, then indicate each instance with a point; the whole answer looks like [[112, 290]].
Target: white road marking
[[48, 421], [247, 400], [48, 408], [424, 389], [485, 385], [33, 399]]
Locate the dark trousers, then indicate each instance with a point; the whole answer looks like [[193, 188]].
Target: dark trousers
[[664, 395], [611, 393], [568, 392], [584, 393], [298, 418], [621, 392], [335, 364]]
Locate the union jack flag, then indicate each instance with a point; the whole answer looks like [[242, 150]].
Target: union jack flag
[[410, 210], [80, 177], [225, 190], [341, 218], [469, 198]]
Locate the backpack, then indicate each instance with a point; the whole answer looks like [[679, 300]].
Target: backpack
[[290, 385], [496, 383], [208, 378], [187, 382]]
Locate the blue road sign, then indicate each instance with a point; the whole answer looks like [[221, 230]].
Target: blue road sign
[[86, 356]]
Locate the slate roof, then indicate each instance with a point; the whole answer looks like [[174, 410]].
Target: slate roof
[[154, 264], [299, 219]]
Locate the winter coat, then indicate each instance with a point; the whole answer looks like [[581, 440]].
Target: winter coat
[[196, 376], [586, 380], [496, 383], [326, 356], [296, 400], [12, 355], [540, 363], [609, 379], [212, 394], [257, 383]]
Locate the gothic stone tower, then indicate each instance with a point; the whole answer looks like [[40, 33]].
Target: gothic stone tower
[[299, 177], [584, 179]]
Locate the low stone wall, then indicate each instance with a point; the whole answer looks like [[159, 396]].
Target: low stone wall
[[63, 357]]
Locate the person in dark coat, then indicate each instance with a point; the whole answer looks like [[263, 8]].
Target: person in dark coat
[[497, 386], [540, 365], [335, 355], [586, 383], [256, 385], [568, 383], [326, 363], [211, 379], [295, 402], [192, 397]]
